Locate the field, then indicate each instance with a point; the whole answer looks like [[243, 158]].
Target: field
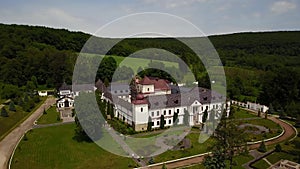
[[54, 147], [50, 117], [135, 63], [15, 118]]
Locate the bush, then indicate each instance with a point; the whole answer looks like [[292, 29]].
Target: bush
[[58, 118], [12, 106], [4, 113], [25, 138], [278, 148], [262, 148]]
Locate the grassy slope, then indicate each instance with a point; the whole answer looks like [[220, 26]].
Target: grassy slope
[[54, 147]]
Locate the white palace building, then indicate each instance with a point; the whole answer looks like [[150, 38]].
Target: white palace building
[[156, 97]]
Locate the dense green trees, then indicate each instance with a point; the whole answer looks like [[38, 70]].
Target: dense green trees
[[106, 69], [12, 106], [261, 67]]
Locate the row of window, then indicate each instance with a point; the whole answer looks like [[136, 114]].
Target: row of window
[[165, 112], [177, 110], [121, 91], [165, 122]]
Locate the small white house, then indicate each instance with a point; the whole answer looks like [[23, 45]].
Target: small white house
[[43, 93]]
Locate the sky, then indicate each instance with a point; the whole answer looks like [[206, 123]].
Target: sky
[[210, 16]]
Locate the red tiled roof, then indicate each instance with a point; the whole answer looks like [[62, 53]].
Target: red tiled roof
[[159, 84], [144, 101], [146, 81]]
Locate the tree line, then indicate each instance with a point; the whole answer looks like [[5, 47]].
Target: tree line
[[48, 55]]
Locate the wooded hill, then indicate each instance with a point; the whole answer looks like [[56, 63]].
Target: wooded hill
[[262, 67]]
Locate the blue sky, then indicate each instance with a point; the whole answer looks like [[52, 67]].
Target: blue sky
[[211, 16]]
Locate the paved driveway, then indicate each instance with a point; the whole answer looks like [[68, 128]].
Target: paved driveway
[[9, 142]]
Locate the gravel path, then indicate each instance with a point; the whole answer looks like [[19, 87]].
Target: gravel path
[[8, 144]]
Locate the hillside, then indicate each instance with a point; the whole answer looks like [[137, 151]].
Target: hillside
[[262, 67]]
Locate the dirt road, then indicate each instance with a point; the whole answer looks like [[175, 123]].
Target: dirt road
[[8, 144]]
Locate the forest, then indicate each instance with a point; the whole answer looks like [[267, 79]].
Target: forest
[[261, 67]]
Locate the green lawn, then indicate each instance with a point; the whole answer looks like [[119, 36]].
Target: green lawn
[[240, 160], [14, 119], [274, 128], [196, 148], [50, 117], [241, 113], [261, 164], [54, 147]]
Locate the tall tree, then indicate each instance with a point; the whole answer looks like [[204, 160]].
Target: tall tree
[[4, 112], [175, 118], [12, 106], [216, 160], [231, 140], [107, 68], [162, 122], [133, 88], [149, 127], [186, 116], [204, 117]]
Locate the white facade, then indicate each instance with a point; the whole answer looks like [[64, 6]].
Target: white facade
[[156, 100], [252, 106], [65, 102], [43, 93]]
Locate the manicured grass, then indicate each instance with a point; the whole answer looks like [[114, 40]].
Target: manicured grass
[[276, 156], [54, 147], [196, 148], [261, 164], [240, 160], [50, 117], [274, 128], [14, 119], [241, 113]]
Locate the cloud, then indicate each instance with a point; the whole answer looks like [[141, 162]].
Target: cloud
[[58, 16], [174, 3], [280, 7]]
